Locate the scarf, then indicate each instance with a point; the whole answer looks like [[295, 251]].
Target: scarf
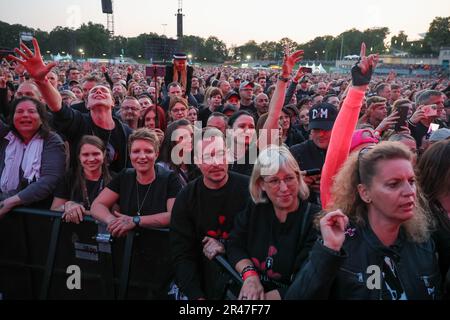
[[17, 155]]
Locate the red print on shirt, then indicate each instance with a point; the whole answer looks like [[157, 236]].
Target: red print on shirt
[[217, 234], [267, 265]]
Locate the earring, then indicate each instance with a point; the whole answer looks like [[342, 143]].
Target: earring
[[368, 201]]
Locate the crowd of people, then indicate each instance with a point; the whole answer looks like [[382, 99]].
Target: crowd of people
[[302, 182]]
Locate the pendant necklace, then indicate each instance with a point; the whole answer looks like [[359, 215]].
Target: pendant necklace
[[139, 206]]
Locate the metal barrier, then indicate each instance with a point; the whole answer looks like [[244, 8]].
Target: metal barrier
[[36, 249]]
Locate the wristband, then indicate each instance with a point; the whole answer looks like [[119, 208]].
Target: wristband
[[247, 268], [280, 77], [249, 274]]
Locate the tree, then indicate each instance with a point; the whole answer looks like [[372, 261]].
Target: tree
[[374, 39], [62, 40], [269, 50], [399, 41], [251, 48], [438, 34], [214, 50], [93, 39], [193, 45]]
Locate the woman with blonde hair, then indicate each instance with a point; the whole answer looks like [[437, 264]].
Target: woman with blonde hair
[[272, 238], [375, 235]]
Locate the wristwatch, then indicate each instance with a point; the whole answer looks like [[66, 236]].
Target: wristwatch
[[137, 220]]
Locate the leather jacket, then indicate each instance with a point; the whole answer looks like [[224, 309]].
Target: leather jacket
[[329, 274]]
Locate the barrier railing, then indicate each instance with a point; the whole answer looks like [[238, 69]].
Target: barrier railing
[[41, 257]]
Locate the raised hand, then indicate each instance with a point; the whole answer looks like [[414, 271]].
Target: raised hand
[[332, 227], [290, 60], [388, 122], [33, 63], [300, 74], [362, 71]]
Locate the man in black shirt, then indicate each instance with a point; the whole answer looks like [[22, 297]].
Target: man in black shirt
[[73, 124], [202, 219], [311, 153], [246, 94]]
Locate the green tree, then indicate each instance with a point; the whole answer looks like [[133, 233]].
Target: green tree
[[251, 48], [193, 45], [438, 34], [269, 50], [62, 40], [214, 50], [93, 39], [399, 41]]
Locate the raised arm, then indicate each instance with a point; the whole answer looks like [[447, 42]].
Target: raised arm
[[38, 71], [277, 101], [341, 136]]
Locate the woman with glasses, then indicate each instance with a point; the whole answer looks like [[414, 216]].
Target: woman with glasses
[[178, 108], [273, 236]]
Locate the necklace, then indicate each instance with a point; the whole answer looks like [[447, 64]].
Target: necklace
[[87, 201], [139, 206]]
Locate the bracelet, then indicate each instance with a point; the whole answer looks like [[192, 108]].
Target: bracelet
[[280, 77], [246, 269], [249, 274]]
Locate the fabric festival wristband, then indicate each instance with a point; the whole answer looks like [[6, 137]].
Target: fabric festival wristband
[[248, 274]]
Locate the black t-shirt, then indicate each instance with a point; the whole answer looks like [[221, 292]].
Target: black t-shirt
[[203, 116], [114, 141], [277, 249], [243, 165], [250, 109], [200, 212], [74, 124], [309, 156], [80, 107], [65, 186], [152, 198]]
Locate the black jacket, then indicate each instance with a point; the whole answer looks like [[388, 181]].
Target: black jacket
[[277, 249], [168, 78], [345, 275]]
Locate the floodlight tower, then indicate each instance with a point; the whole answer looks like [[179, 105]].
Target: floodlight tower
[[180, 16]]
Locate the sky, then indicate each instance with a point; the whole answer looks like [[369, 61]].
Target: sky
[[233, 21]]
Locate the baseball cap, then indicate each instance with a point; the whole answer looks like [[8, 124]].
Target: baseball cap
[[231, 94], [246, 83], [362, 136], [229, 108], [322, 116]]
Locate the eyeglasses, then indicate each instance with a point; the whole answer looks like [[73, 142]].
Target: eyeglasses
[[276, 182], [361, 153]]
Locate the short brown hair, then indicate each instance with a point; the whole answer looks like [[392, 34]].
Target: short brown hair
[[175, 100], [144, 134], [375, 99]]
